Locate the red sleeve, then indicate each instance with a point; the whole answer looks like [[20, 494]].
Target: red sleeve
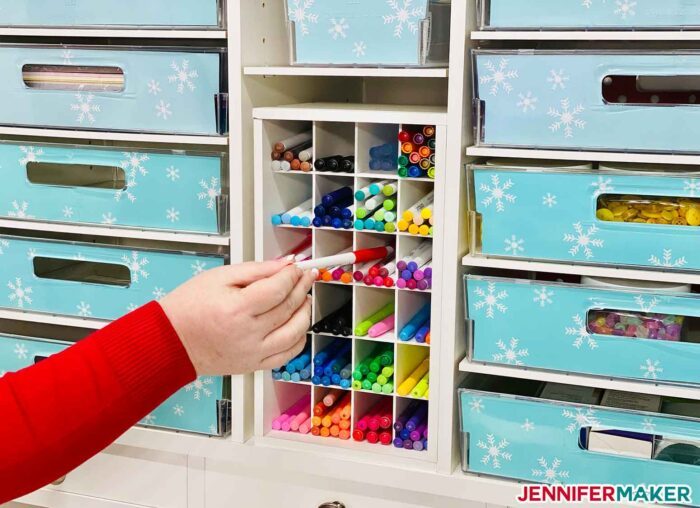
[[57, 414]]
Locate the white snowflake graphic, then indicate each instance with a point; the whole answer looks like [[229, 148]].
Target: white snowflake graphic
[[558, 79], [498, 193], [85, 107], [527, 102], [587, 3], [210, 193], [79, 257], [67, 56], [108, 218], [692, 186], [183, 76], [603, 185], [133, 166], [580, 331], [491, 299], [20, 210], [172, 215], [651, 369], [583, 241], [359, 48], [4, 244], [172, 173], [625, 8], [158, 293], [404, 16], [495, 451], [31, 253], [154, 87], [198, 267], [644, 305], [84, 309], [149, 420], [163, 110], [301, 15], [68, 212], [549, 200], [178, 410], [21, 351], [543, 297], [580, 418], [136, 264], [551, 473], [31, 154], [19, 294], [339, 28], [131, 307], [509, 353], [514, 245], [566, 118], [500, 76], [476, 405], [199, 387], [648, 425], [667, 260], [528, 426]]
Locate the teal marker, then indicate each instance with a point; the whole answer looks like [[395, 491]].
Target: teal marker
[[416, 323]]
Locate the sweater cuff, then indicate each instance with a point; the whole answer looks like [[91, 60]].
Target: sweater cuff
[[146, 353]]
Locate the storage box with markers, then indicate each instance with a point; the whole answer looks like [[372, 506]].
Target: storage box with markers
[[618, 215], [623, 100], [562, 434], [117, 88], [369, 32]]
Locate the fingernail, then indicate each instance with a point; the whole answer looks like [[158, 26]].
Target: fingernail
[[315, 272], [289, 258]]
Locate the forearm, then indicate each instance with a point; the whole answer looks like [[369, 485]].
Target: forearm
[[62, 411]]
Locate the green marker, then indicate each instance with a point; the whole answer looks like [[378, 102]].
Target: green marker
[[390, 216], [361, 212], [357, 385], [387, 358], [372, 377], [388, 371], [389, 227], [388, 388], [390, 190], [378, 215], [376, 388], [403, 161], [403, 172], [422, 386], [389, 204], [431, 173], [366, 385], [383, 313]]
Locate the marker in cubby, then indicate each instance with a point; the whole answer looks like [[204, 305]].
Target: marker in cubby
[[335, 164], [415, 271], [297, 369], [293, 153], [411, 427], [332, 416], [375, 372], [376, 424], [300, 216], [418, 219], [331, 363], [302, 251], [418, 327], [417, 159], [383, 157], [296, 418], [376, 207], [417, 384], [338, 322], [350, 258], [335, 210], [363, 328]]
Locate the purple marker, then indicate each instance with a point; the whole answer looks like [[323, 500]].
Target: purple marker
[[401, 265], [398, 442], [418, 446], [417, 418], [428, 272], [408, 444], [400, 283], [422, 333], [417, 434], [423, 285]]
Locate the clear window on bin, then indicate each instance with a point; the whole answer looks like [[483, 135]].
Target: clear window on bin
[[671, 90], [668, 210], [643, 325], [87, 272], [76, 175], [77, 78]]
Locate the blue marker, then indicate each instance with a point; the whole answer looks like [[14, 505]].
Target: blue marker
[[276, 220], [422, 333], [416, 323]]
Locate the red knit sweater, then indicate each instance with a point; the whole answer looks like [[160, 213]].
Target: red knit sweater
[[60, 412]]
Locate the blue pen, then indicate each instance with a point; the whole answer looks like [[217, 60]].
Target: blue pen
[[422, 333], [417, 321]]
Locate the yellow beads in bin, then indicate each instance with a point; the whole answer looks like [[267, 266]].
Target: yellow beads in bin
[[649, 210]]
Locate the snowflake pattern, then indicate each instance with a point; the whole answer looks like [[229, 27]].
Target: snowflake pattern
[[543, 297], [131, 307], [580, 331], [67, 56], [527, 425], [644, 305], [154, 87], [491, 300], [566, 118], [583, 241], [200, 387], [172, 173], [19, 294], [514, 245], [4, 244], [495, 451], [651, 369], [625, 8], [509, 353], [210, 193], [359, 48], [172, 215], [667, 260], [86, 108], [84, 309], [178, 410], [500, 77], [301, 15], [339, 28], [476, 406], [498, 193], [527, 102], [163, 110], [549, 200], [136, 265], [580, 418], [108, 218], [149, 420], [648, 425], [20, 210], [158, 293], [558, 79], [603, 185], [183, 76], [551, 473], [30, 154], [68, 212], [133, 166], [198, 267], [21, 351], [692, 186], [404, 16]]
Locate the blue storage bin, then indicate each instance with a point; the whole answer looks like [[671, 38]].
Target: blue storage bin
[[551, 214], [369, 32], [88, 280], [110, 13], [144, 189], [552, 326], [520, 436], [588, 14], [201, 407], [594, 100], [171, 91]]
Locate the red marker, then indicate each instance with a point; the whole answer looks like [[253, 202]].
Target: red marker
[[349, 258]]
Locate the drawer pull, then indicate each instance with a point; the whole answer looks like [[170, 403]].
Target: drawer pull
[[78, 78], [90, 272], [76, 175], [332, 504]]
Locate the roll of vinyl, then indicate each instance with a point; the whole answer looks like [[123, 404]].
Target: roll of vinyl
[[603, 282]]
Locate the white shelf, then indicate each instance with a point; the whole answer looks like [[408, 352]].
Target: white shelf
[[583, 270], [350, 113], [587, 156], [362, 72], [131, 33], [582, 35], [52, 319], [664, 390], [108, 231]]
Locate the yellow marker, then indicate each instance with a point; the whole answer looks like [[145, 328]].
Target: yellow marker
[[426, 213], [424, 230], [411, 381], [402, 225], [422, 387], [413, 229]]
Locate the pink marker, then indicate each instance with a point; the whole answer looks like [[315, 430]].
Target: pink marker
[[361, 271], [379, 281], [420, 273], [384, 326], [338, 272], [362, 424], [401, 283], [305, 427], [277, 422], [423, 284], [299, 419], [285, 418]]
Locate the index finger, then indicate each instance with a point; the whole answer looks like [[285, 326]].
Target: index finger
[[268, 293], [248, 273]]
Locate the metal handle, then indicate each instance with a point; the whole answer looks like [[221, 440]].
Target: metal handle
[[332, 504]]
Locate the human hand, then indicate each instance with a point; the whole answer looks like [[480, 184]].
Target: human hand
[[241, 318]]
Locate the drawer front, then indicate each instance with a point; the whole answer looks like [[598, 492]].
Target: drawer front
[[150, 190], [557, 100], [551, 215], [169, 92], [85, 280], [551, 326], [81, 13], [581, 14], [547, 448], [195, 408]]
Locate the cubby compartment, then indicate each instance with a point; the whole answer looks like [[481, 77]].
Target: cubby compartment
[[376, 204], [413, 321], [417, 146], [331, 355], [287, 142], [332, 302], [411, 425], [332, 414], [414, 265], [374, 367], [374, 310], [377, 150], [373, 419], [285, 401], [297, 370], [416, 203], [291, 196], [412, 371], [334, 148]]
